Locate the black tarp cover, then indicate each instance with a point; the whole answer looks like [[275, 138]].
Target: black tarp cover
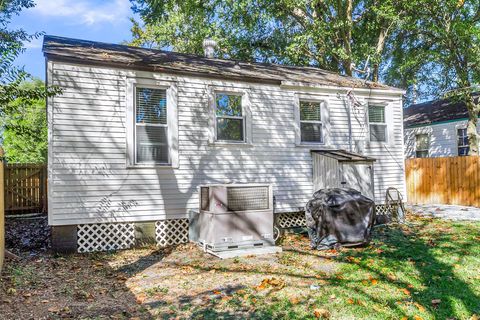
[[339, 216]]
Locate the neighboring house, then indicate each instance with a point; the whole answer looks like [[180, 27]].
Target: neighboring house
[[136, 131], [436, 129]]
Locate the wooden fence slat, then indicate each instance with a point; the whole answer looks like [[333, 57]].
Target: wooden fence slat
[[448, 180], [25, 188]]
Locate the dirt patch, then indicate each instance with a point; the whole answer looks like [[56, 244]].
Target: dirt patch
[[181, 282], [27, 235], [72, 287]]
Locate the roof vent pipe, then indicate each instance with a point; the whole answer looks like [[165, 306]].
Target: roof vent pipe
[[209, 46]]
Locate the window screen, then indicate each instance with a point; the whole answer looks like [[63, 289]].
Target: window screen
[[230, 122], [421, 145], [151, 130], [377, 124], [463, 144], [311, 121]]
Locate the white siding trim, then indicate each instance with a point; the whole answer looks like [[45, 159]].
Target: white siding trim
[[50, 160]]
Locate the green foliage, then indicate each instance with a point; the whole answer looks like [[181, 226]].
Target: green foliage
[[328, 34], [24, 127], [11, 45]]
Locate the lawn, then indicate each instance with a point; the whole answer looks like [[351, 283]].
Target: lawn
[[427, 269]]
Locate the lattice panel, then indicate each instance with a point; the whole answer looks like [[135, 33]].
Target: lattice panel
[[171, 232], [105, 236], [383, 209], [291, 220]]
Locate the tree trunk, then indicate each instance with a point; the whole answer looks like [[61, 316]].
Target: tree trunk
[[473, 110], [378, 52]]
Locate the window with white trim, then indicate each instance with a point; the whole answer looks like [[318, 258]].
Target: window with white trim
[[311, 126], [463, 144], [151, 128], [229, 118], [377, 123], [422, 144]]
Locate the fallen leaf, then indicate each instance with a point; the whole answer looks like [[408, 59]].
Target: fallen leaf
[[141, 299], [321, 313], [406, 291], [53, 310], [350, 301], [419, 307], [11, 291], [294, 300]]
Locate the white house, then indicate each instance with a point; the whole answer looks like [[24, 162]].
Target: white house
[[136, 131], [436, 129]]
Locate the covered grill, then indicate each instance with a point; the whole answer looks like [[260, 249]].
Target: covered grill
[[339, 216]]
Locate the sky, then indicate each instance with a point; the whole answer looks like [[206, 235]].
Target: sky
[[97, 20]]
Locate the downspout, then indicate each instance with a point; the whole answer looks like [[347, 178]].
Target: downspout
[[349, 116]]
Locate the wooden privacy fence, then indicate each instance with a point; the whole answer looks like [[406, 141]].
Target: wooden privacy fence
[[25, 188], [449, 180]]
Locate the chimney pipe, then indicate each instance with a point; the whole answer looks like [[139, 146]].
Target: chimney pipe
[[209, 46]]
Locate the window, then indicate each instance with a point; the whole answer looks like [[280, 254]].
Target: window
[[311, 122], [151, 128], [463, 146], [377, 123], [421, 145], [229, 117]]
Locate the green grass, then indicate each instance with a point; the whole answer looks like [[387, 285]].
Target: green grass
[[396, 277]]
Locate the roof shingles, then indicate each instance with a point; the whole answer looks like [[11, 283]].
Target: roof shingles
[[98, 53]]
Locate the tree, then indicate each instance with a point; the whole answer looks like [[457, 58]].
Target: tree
[[25, 128], [440, 53], [330, 34], [11, 45]]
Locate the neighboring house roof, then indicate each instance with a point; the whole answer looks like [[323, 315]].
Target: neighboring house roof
[[430, 112], [121, 56]]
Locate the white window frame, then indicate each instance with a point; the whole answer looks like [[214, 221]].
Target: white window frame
[[461, 127], [243, 118], [386, 123], [324, 116], [246, 115], [428, 144], [172, 121]]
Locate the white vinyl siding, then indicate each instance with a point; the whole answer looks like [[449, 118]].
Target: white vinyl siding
[[91, 177], [443, 138]]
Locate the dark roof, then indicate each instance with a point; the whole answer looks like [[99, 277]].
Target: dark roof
[[435, 111], [98, 53], [343, 155]]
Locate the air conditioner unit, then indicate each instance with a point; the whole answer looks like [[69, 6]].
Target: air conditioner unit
[[233, 217]]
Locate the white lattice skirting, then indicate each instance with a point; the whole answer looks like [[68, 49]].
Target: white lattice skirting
[[171, 232], [117, 236], [105, 236], [291, 220], [381, 209]]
